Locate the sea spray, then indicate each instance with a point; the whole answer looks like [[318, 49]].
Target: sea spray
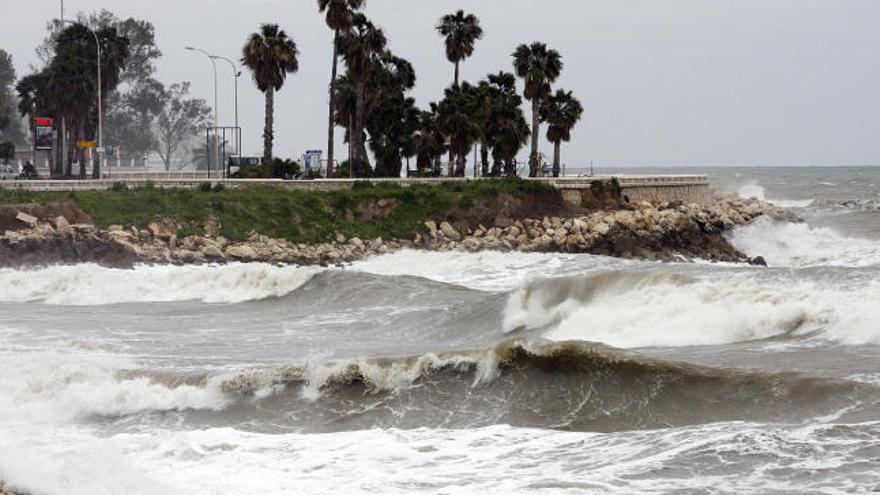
[[800, 245]]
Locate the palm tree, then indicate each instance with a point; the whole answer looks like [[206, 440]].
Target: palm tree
[[461, 32], [457, 119], [270, 55], [539, 68], [428, 142], [362, 46], [340, 14], [562, 111], [507, 130]]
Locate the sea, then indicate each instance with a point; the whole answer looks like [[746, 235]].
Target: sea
[[460, 373]]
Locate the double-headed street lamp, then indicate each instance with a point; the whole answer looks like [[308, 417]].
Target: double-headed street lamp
[[216, 118]]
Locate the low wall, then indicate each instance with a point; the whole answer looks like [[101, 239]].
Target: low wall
[[685, 188]]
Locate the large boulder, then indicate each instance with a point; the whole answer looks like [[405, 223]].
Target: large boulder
[[241, 252], [28, 219], [62, 226], [160, 231], [449, 232]]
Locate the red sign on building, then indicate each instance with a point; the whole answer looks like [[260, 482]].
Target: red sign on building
[[44, 121]]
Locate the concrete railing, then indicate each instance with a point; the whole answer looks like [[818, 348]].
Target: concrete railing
[[635, 187]]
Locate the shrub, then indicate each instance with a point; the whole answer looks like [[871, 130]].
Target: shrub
[[219, 187], [119, 187], [284, 169], [611, 188], [205, 187], [312, 175], [7, 151]]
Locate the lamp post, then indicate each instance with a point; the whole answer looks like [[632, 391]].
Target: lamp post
[[216, 118], [63, 139], [236, 74], [100, 110]]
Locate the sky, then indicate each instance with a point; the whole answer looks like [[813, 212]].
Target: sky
[[664, 82]]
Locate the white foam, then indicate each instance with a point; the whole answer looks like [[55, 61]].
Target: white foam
[[51, 386], [497, 459], [486, 270], [800, 245], [753, 190], [715, 311], [89, 284]]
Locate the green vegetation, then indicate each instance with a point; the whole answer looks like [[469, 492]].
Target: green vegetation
[[368, 210]]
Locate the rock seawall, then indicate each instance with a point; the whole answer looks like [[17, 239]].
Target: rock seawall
[[653, 231]]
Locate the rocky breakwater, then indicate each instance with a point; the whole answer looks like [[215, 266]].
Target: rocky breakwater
[[652, 231]]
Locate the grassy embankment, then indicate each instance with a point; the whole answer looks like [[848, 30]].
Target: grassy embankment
[[366, 211]]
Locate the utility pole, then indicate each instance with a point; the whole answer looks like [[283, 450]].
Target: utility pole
[[236, 73], [63, 139]]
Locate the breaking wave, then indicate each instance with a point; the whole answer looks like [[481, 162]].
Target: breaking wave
[[800, 245], [753, 190], [646, 309], [566, 385], [88, 284]]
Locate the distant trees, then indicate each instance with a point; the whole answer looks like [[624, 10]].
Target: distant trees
[[130, 108], [7, 105], [178, 120], [270, 55], [339, 17], [67, 87], [539, 67], [460, 32]]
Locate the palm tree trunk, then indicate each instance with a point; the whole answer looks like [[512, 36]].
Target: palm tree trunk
[[268, 132], [59, 154], [331, 126], [509, 167], [71, 149], [557, 157], [536, 123], [461, 164], [358, 137], [456, 74], [82, 153], [484, 157]]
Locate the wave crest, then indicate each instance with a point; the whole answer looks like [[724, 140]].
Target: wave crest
[[88, 284], [639, 309]]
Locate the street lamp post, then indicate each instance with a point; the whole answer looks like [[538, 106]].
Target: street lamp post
[[236, 74], [216, 111], [100, 110]]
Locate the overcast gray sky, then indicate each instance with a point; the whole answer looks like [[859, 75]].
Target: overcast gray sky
[[665, 82]]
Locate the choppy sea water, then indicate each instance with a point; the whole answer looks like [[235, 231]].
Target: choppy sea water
[[461, 373]]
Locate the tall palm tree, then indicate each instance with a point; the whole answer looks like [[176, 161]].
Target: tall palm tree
[[461, 32], [562, 112], [362, 46], [539, 68], [270, 55], [339, 16]]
